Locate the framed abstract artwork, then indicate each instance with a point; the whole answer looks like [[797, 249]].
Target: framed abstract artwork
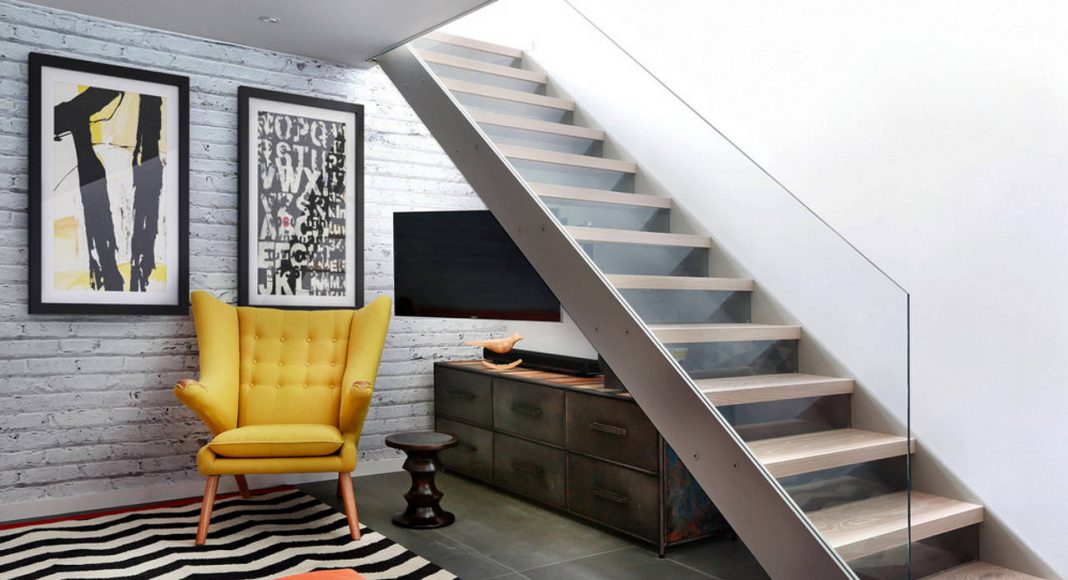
[[300, 206], [109, 204]]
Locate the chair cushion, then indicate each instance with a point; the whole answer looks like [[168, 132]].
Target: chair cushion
[[284, 440]]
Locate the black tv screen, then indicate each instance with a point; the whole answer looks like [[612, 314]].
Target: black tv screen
[[462, 264]]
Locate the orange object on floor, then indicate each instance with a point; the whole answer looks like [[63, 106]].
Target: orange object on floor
[[345, 574]]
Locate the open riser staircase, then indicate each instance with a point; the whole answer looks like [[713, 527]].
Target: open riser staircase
[[773, 446]]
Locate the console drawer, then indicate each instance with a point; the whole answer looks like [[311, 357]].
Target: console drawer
[[615, 496], [529, 410], [473, 456], [463, 395], [612, 429], [530, 469]]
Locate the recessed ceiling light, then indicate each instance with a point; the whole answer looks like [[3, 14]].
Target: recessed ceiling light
[[270, 19]]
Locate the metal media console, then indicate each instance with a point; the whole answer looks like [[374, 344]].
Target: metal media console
[[570, 443]]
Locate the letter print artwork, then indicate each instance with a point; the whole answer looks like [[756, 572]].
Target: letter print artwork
[[301, 221], [301, 199]]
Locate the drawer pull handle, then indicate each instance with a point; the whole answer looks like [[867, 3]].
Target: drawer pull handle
[[610, 429], [467, 447], [528, 467], [526, 410], [610, 496], [457, 393]]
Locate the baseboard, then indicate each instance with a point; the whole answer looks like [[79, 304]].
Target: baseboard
[[193, 488]]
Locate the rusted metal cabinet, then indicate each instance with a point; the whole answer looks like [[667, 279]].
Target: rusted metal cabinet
[[574, 445]]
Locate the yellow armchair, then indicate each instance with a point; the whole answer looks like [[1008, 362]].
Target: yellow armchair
[[283, 391]]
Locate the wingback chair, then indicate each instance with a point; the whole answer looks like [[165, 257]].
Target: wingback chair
[[283, 391]]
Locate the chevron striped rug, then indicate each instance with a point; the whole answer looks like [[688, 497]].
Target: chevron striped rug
[[277, 533]]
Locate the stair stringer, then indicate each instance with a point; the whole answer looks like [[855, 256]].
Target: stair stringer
[[773, 528]]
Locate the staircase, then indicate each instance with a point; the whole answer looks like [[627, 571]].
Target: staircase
[[811, 496]]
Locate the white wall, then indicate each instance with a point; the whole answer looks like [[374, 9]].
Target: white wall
[[934, 136], [86, 408], [562, 337]]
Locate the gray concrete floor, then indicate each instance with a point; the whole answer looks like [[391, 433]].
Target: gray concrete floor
[[500, 536]]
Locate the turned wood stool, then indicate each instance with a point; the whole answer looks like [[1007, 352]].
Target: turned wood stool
[[424, 499]]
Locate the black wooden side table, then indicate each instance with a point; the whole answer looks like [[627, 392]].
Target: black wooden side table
[[424, 499]]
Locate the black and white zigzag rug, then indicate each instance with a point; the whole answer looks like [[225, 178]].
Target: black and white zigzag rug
[[277, 533]]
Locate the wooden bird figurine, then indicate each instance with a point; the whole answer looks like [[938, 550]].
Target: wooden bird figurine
[[497, 345]]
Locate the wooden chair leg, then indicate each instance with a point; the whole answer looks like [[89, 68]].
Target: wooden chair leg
[[348, 497], [205, 508], [242, 486], [338, 485]]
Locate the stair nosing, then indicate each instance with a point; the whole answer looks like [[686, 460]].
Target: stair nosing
[[569, 159], [636, 237], [492, 92], [471, 64], [600, 195], [536, 125], [696, 283], [471, 43], [723, 332], [827, 450], [728, 391], [884, 532]]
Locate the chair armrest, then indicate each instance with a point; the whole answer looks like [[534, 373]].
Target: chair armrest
[[355, 402], [213, 406]]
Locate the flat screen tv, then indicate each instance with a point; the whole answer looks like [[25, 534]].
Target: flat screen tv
[[462, 264]]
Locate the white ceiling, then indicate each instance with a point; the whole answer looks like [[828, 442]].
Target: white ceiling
[[343, 31]]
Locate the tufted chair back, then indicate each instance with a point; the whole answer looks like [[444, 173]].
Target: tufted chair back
[[292, 365]]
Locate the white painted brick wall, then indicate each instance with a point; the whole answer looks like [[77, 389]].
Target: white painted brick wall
[[85, 402]]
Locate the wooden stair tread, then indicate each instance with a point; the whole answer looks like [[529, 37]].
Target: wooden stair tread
[[570, 159], [643, 282], [460, 86], [482, 67], [776, 387], [526, 124], [473, 44], [691, 333], [599, 195], [809, 452], [861, 528], [637, 237], [980, 571]]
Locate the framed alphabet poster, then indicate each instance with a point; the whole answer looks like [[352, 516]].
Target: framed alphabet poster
[[109, 158], [301, 201]]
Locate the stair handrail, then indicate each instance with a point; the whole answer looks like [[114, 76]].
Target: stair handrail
[[697, 113], [908, 296]]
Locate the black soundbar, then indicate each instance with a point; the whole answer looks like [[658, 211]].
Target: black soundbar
[[543, 361]]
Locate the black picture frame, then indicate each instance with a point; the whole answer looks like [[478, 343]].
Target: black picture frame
[[38, 304], [247, 227]]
